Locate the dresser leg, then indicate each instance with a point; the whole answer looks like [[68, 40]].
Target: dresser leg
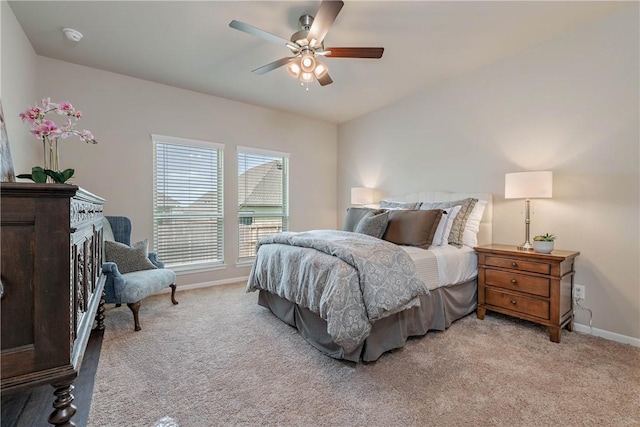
[[100, 313], [64, 408], [554, 333], [480, 312]]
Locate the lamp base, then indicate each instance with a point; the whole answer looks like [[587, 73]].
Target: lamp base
[[526, 246]]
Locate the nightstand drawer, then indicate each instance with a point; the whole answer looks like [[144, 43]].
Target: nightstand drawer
[[516, 264], [531, 306], [517, 282]]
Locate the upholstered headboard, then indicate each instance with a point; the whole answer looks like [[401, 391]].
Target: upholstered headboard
[[486, 231]]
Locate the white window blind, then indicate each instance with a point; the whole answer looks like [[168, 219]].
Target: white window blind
[[263, 197], [187, 202]]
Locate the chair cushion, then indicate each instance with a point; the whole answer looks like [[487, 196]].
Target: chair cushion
[[141, 284], [128, 258]]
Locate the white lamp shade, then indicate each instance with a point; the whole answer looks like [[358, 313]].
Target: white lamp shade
[[362, 196], [528, 185]]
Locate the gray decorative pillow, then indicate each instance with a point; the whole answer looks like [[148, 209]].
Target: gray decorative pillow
[[459, 222], [425, 206], [142, 244], [128, 258], [387, 204], [373, 224], [355, 215]]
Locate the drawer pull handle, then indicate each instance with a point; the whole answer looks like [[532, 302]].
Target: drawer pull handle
[[514, 281], [513, 302], [514, 264]]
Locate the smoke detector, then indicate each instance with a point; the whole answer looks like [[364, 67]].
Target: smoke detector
[[72, 34]]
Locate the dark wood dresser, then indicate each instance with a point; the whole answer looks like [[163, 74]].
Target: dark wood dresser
[[528, 285], [52, 287]]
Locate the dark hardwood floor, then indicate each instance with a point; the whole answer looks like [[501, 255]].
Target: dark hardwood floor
[[32, 408]]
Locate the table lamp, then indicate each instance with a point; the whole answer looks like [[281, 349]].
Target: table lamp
[[527, 186], [362, 196]]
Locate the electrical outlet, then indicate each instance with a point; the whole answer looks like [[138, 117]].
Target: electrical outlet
[[579, 292]]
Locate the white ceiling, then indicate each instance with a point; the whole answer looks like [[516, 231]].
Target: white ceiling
[[190, 45]]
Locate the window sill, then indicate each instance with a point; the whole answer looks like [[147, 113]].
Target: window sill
[[200, 268], [245, 263]]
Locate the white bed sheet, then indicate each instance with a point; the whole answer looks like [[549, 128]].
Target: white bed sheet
[[455, 265]]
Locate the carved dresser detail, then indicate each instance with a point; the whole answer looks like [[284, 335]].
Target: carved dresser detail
[[51, 272]]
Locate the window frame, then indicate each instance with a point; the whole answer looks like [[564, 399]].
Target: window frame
[[284, 215], [219, 215]]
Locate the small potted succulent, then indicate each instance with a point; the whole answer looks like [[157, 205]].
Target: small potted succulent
[[543, 243]]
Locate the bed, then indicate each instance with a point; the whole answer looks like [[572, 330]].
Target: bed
[[448, 272]]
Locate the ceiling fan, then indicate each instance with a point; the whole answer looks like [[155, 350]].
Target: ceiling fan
[[307, 45]]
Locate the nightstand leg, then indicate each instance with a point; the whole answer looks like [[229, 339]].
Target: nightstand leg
[[570, 325], [480, 313], [554, 333]]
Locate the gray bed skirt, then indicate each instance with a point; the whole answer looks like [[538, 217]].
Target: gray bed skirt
[[436, 312]]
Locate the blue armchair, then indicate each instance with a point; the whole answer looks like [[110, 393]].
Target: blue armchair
[[131, 288]]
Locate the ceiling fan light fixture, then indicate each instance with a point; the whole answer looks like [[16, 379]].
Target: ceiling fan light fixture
[[307, 62], [294, 69], [320, 70], [307, 46]]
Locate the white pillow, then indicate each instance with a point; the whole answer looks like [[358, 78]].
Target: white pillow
[[451, 216], [472, 227], [437, 238]]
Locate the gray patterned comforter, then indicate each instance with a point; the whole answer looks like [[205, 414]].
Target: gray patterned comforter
[[350, 280]]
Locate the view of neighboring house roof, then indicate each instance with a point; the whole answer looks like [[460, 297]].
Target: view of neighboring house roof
[[166, 202], [261, 185]]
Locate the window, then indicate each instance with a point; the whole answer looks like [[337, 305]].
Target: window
[[263, 197], [187, 202]]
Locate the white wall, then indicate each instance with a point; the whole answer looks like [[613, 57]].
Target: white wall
[[570, 105], [123, 112], [18, 82]]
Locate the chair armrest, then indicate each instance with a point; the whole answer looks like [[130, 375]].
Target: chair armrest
[[114, 283], [153, 257], [111, 268]]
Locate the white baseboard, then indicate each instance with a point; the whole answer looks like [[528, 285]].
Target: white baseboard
[[586, 329], [206, 284]]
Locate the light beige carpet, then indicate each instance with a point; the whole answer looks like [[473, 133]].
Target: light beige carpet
[[220, 359]]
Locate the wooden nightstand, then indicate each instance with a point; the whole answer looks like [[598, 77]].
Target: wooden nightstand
[[528, 285]]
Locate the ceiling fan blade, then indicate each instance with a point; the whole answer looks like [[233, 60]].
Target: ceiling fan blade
[[354, 52], [249, 29], [325, 80], [272, 66], [322, 22]]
